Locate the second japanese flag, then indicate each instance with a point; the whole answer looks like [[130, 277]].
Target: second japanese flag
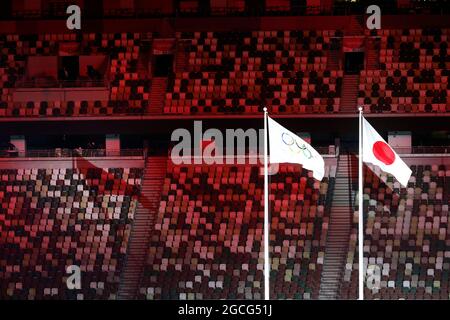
[[376, 151]]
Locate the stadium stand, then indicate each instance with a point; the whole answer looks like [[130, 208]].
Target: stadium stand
[[53, 218], [349, 284], [237, 72], [413, 74], [129, 91], [166, 231], [207, 240], [406, 233]]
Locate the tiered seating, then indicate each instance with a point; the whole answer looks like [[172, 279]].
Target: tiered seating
[[57, 108], [12, 65], [300, 212], [407, 234], [129, 94], [53, 218], [239, 71], [414, 73], [208, 241], [16, 48]]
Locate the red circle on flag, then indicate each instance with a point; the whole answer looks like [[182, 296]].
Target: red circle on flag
[[383, 152]]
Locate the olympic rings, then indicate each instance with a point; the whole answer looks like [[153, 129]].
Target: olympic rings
[[294, 146]]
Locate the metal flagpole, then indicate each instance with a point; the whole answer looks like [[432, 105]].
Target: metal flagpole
[[266, 213], [360, 213]]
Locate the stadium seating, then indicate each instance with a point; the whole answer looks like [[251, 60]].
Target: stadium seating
[[12, 64], [59, 108], [413, 75], [53, 218], [208, 235], [237, 72], [129, 93], [349, 285], [407, 234]]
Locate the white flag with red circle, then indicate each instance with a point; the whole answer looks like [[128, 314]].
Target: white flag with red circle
[[376, 151]]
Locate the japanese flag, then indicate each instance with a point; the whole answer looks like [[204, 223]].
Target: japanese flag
[[376, 151]]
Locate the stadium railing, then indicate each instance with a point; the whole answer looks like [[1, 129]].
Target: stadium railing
[[342, 8], [53, 83], [67, 153], [423, 150]]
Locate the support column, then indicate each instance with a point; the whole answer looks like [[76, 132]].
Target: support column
[[20, 143], [401, 141], [112, 145]]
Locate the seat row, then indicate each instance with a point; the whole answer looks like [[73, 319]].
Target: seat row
[[255, 68], [406, 234], [208, 235], [51, 219]]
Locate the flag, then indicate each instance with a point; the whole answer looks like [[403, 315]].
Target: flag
[[376, 151], [287, 147]]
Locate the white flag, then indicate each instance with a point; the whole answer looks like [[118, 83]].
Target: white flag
[[376, 151], [287, 147]]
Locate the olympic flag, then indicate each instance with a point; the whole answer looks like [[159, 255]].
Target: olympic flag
[[287, 147]]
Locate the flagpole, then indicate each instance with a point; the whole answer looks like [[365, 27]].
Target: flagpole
[[360, 213], [266, 214]]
